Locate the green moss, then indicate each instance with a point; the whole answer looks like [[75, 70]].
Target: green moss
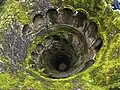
[[10, 10], [104, 74], [8, 82]]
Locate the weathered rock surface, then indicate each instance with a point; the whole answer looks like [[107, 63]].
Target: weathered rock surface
[[48, 46]]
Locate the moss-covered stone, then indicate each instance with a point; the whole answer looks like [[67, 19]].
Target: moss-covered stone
[[103, 75]]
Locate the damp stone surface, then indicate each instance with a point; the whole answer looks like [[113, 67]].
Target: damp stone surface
[[59, 45]]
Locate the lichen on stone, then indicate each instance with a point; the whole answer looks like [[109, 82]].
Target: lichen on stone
[[104, 74]]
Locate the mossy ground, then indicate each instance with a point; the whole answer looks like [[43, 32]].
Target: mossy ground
[[104, 74]]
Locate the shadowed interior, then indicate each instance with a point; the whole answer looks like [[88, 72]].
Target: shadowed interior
[[65, 53], [60, 61]]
